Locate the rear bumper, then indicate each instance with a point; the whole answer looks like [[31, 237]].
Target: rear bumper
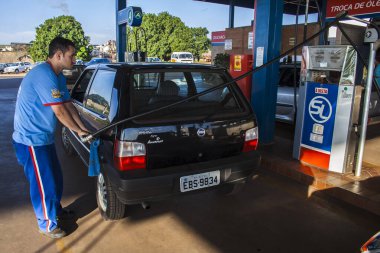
[[165, 183]]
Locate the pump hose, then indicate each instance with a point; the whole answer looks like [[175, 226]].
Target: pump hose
[[338, 17]]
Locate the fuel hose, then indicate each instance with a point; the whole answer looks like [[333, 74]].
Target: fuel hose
[[91, 136]]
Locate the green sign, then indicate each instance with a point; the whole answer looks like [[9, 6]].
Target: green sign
[[134, 16]]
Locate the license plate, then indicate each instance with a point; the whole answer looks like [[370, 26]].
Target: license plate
[[199, 181]]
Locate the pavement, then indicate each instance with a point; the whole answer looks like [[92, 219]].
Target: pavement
[[12, 75], [362, 192]]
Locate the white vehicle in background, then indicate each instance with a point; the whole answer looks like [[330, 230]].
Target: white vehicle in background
[[27, 65], [184, 57], [35, 64], [2, 67], [15, 68]]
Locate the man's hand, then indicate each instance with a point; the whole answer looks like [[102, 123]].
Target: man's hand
[[66, 118], [83, 133], [74, 114]]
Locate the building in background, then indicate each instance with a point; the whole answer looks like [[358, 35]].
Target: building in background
[[15, 52], [106, 50], [240, 40]]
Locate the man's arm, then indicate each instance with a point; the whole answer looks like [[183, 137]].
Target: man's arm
[[74, 114], [64, 116]]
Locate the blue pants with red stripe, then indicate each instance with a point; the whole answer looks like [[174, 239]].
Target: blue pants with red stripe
[[41, 167]]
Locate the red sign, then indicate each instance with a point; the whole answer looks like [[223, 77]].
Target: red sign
[[353, 7], [321, 91], [218, 37]]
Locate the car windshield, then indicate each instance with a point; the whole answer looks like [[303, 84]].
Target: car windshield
[[185, 56], [156, 89]]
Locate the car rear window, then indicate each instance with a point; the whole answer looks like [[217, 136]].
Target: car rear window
[[152, 90]]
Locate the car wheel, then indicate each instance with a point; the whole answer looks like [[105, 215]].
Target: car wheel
[[110, 207], [67, 146], [16, 71], [231, 188]]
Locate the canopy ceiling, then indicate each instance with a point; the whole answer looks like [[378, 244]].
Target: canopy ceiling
[[290, 6]]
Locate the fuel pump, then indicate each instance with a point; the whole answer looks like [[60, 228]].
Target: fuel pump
[[328, 108], [241, 64]]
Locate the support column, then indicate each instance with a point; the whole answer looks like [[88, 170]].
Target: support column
[[231, 15], [323, 37], [121, 32], [267, 45]]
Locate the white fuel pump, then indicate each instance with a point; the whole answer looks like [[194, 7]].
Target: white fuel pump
[[329, 103]]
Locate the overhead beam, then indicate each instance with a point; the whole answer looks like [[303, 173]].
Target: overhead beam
[[231, 16]]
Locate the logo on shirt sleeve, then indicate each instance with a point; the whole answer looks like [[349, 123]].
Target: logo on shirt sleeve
[[56, 93]]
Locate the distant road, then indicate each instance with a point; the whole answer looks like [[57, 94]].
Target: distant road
[[10, 82]]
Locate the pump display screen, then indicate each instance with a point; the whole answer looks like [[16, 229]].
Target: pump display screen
[[330, 58]]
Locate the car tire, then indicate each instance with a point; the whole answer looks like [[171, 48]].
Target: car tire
[[231, 188], [16, 71], [110, 207], [66, 144]]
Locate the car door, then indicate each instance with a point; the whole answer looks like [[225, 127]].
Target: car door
[[99, 107], [21, 67], [77, 95], [285, 94]]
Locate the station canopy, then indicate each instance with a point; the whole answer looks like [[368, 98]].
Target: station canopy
[[290, 6]]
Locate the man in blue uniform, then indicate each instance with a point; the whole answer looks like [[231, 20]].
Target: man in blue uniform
[[41, 99], [377, 67]]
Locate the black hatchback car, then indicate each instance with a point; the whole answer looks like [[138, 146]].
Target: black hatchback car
[[208, 142]]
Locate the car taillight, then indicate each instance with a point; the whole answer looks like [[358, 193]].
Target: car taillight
[[251, 139], [129, 155]]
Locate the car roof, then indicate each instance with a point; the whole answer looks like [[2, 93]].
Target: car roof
[[155, 65]]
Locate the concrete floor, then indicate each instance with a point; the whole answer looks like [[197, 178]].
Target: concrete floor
[[272, 214], [372, 146]]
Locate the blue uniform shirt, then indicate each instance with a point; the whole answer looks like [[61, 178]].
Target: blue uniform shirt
[[35, 121]]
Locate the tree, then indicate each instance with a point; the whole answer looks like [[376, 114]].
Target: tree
[[66, 27], [166, 34], [222, 60], [200, 40]]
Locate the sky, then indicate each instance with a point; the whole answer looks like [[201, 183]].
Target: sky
[[19, 18]]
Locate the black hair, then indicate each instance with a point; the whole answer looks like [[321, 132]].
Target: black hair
[[59, 43]]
